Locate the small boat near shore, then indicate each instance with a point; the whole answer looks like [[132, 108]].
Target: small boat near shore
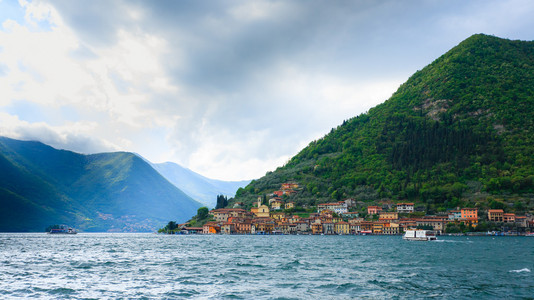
[[420, 235], [63, 230]]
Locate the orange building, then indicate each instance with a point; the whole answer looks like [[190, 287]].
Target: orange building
[[211, 228], [469, 213], [469, 216], [508, 218]]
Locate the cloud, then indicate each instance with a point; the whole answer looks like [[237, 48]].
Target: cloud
[[73, 136], [229, 89]]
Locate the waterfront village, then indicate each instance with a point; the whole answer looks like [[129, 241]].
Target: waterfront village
[[338, 218]]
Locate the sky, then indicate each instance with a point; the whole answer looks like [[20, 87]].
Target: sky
[[228, 89]]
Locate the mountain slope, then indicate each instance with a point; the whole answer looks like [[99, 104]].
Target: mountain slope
[[461, 126], [40, 185], [200, 188]]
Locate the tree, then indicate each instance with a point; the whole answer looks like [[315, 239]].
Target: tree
[[222, 201], [171, 226], [202, 213]]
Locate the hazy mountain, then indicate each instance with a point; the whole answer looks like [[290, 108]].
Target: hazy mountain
[[200, 188], [459, 132], [41, 186]]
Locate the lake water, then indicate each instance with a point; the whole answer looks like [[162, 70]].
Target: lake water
[[96, 266]]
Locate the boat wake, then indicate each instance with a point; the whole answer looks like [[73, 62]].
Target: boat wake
[[452, 241], [526, 270]]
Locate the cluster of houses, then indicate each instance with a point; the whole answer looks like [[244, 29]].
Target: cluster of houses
[[335, 218]]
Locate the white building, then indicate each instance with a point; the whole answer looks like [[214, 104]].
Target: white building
[[405, 207], [337, 207]]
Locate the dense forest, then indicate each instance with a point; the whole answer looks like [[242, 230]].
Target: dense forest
[[459, 132]]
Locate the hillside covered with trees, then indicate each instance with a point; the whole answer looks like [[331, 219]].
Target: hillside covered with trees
[[42, 186], [457, 133]]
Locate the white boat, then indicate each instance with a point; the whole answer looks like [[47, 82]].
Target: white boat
[[420, 235]]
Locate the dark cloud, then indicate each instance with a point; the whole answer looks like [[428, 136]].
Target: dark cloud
[[272, 69]]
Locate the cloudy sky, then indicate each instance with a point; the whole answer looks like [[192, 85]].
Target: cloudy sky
[[229, 89]]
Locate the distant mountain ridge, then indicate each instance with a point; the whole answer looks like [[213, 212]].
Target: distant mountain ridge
[[459, 132], [41, 186], [200, 188]]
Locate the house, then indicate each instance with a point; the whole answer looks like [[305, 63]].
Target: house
[[276, 204], [337, 207], [211, 228], [243, 226], [388, 215], [317, 228], [328, 228], [294, 219], [284, 228], [521, 221], [469, 216], [302, 226], [290, 205], [342, 228], [263, 227], [292, 228], [437, 223], [468, 213], [366, 226], [455, 215], [378, 227], [228, 228], [405, 207], [392, 229], [355, 228], [406, 224], [508, 218], [374, 210], [278, 215], [495, 215], [326, 214], [222, 214]]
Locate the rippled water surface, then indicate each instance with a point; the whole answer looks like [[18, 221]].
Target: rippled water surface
[[96, 266]]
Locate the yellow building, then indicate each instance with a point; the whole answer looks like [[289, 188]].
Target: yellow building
[[392, 229], [378, 227], [261, 211], [342, 228], [383, 215]]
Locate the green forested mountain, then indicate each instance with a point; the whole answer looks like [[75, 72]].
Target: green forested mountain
[[41, 186], [458, 132]]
